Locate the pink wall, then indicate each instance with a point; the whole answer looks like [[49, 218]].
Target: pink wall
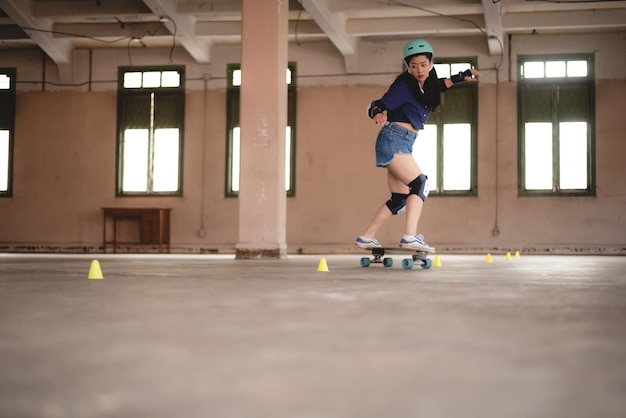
[[65, 172]]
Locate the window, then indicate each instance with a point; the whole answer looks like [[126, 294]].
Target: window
[[7, 122], [151, 110], [446, 148], [233, 130], [556, 129]]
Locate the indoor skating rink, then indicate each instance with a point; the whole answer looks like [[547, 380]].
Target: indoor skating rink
[[211, 336]]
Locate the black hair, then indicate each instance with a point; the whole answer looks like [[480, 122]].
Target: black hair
[[410, 57]]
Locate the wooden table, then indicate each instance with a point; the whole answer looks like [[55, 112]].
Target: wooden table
[[154, 226]]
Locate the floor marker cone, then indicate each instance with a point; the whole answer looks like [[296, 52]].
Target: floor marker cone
[[95, 272], [516, 254], [508, 256], [322, 266], [437, 262], [488, 259]]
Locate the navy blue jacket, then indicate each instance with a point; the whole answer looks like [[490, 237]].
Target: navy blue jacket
[[405, 101]]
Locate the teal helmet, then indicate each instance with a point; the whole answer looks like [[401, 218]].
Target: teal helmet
[[417, 47]]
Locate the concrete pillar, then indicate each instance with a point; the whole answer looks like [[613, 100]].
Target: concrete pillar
[[263, 119]]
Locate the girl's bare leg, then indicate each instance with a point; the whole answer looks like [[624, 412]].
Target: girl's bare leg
[[413, 212], [382, 215], [401, 171]]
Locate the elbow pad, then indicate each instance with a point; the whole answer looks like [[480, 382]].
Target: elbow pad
[[375, 108], [457, 78]]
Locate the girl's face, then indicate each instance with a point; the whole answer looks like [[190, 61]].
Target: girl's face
[[419, 67]]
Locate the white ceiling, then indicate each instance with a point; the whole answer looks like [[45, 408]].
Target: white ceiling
[[59, 26]]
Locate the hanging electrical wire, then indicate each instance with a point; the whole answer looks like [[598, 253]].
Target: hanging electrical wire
[[460, 19], [173, 40], [150, 33], [298, 21], [76, 35]]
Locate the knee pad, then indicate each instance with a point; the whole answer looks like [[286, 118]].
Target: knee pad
[[397, 203], [420, 187]]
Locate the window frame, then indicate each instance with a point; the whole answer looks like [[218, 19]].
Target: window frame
[[7, 122], [233, 101], [175, 93], [545, 84]]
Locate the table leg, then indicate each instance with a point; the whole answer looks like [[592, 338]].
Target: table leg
[[114, 234], [104, 232], [160, 229]]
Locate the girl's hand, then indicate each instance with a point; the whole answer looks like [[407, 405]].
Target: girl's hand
[[475, 73], [380, 118]]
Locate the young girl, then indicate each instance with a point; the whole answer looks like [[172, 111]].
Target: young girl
[[402, 112]]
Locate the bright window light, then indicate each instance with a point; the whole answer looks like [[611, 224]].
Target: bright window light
[[4, 160], [538, 155], [170, 79], [236, 165], [533, 69], [135, 160], [287, 159], [165, 160], [573, 155], [555, 69], [237, 78], [236, 158], [152, 79], [447, 70], [132, 80], [443, 71], [577, 68], [457, 154], [460, 66], [425, 153], [5, 82]]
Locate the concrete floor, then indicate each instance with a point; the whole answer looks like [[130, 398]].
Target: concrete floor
[[210, 336]]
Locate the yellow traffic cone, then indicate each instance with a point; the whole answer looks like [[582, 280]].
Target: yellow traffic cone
[[508, 256], [488, 259], [437, 262], [516, 254], [95, 272], [322, 266]]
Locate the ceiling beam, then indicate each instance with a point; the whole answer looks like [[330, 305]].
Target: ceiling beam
[[65, 8], [59, 26], [555, 6], [333, 25], [183, 28], [572, 21], [39, 30], [388, 8], [124, 31], [210, 8], [415, 26], [493, 23]]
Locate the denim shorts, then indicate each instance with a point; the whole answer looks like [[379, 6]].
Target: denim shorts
[[393, 139]]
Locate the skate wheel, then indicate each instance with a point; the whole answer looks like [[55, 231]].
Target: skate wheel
[[365, 262], [387, 261], [407, 263], [427, 263]]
